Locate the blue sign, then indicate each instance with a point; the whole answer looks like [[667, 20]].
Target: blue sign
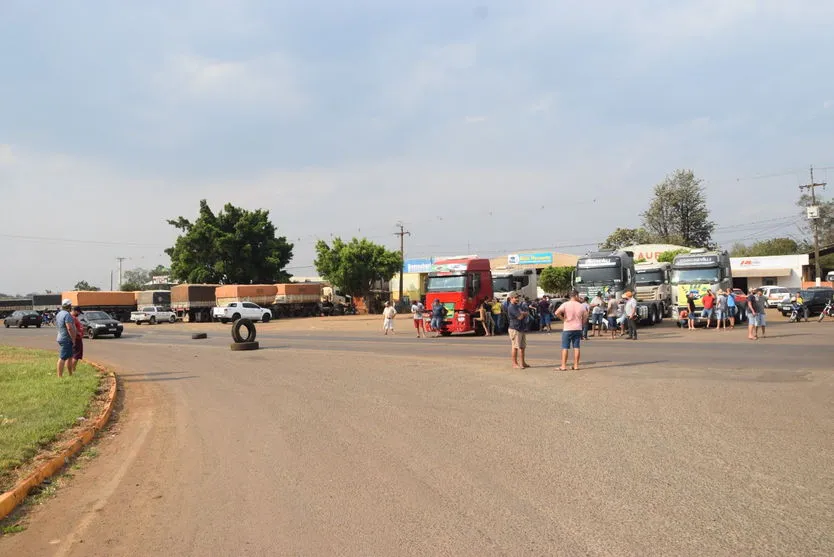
[[544, 258], [417, 265]]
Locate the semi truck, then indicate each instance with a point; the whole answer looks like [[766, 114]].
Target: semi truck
[[523, 281], [613, 271], [461, 285], [652, 283], [119, 305], [46, 302], [153, 298], [696, 272], [10, 305], [297, 299], [193, 302]]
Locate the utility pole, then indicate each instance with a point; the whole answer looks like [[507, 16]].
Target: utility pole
[[120, 259], [812, 187], [402, 234]]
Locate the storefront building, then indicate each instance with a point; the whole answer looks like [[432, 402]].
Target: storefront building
[[774, 270]]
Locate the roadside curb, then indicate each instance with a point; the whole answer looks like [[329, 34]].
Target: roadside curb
[[12, 498]]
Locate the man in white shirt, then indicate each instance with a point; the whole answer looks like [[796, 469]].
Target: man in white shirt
[[388, 318], [417, 310], [631, 314]]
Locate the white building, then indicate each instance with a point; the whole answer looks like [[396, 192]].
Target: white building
[[773, 270]]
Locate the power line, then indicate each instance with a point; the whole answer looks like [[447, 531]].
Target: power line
[[812, 186], [77, 241]]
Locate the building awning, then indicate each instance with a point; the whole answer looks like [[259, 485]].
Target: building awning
[[754, 272]]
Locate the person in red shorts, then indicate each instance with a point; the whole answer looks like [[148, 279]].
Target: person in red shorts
[[78, 347], [417, 310], [709, 307]]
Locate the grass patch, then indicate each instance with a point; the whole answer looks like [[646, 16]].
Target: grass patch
[[35, 405]]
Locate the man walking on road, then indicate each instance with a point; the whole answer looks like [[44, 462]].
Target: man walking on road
[[574, 315], [65, 338], [631, 314], [517, 317]]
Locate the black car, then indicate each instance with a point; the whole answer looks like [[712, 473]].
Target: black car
[[99, 323], [814, 298], [23, 318]]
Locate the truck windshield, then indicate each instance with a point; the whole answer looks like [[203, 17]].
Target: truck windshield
[[598, 275], [684, 276], [446, 283], [502, 284], [651, 278]]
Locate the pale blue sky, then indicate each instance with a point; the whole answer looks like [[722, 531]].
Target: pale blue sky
[[486, 127]]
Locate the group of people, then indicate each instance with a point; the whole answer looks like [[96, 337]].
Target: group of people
[[70, 338], [722, 308]]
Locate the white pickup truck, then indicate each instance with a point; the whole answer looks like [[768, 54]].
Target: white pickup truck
[[236, 310], [152, 315]]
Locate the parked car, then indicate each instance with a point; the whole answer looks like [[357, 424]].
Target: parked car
[[23, 318], [152, 315], [99, 323], [236, 310], [815, 299], [774, 295]]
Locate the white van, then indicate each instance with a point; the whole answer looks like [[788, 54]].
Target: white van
[[775, 295]]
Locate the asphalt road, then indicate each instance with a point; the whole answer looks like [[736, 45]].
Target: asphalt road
[[348, 443]]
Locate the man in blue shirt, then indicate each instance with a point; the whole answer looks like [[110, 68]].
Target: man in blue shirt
[[66, 336], [731, 308], [517, 316], [437, 319]]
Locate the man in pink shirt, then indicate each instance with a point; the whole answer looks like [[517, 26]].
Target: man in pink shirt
[[574, 316]]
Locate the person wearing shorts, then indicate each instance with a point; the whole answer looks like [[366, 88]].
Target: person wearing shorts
[[761, 309], [574, 315], [611, 314], [65, 337], [417, 310], [78, 346], [437, 317], [517, 315]]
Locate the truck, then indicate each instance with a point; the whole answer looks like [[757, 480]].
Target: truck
[[461, 285], [152, 315], [118, 304], [613, 271], [334, 302], [193, 302], [153, 298], [46, 302], [10, 305], [241, 310], [523, 281], [696, 272], [261, 294], [652, 283], [297, 299]]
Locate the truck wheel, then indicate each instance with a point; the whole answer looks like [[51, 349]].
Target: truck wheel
[[241, 346], [235, 317], [152, 320], [198, 336], [172, 319], [250, 331], [266, 317]]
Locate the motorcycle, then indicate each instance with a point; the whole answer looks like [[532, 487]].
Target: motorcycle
[[827, 311], [798, 311]]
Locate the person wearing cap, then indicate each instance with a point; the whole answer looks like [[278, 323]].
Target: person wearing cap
[[66, 337], [611, 310], [388, 315], [78, 345], [517, 318]]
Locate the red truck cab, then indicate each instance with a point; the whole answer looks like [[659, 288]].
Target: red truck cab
[[461, 285]]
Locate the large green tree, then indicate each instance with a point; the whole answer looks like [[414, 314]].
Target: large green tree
[[774, 246], [135, 279], [84, 285], [355, 266], [626, 237], [556, 280], [234, 246], [678, 212]]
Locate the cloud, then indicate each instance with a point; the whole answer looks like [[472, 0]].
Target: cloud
[[7, 157], [828, 104], [475, 119]]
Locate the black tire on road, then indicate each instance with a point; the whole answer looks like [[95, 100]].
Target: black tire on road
[[91, 334], [241, 346], [250, 331], [198, 336], [266, 317]]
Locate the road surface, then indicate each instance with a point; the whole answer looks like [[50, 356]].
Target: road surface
[[345, 442]]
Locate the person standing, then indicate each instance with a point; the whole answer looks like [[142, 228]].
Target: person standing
[[437, 317], [488, 321], [417, 310], [497, 316], [731, 308], [761, 310], [574, 316], [388, 315], [690, 304], [597, 314], [78, 346], [709, 307], [545, 317], [65, 337], [631, 315], [721, 311], [587, 307], [611, 313], [752, 316], [517, 319]]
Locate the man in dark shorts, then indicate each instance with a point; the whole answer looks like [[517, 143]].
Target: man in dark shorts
[[78, 346], [517, 317], [66, 336]]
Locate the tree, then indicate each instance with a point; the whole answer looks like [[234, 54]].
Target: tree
[[556, 280], [354, 267], [626, 237], [774, 246], [825, 222], [84, 285], [678, 212], [669, 256], [235, 246], [135, 279]]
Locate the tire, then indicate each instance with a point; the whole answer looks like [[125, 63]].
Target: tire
[[117, 335], [251, 333], [26, 326], [243, 346], [235, 317], [152, 320], [199, 336], [38, 326], [224, 321], [91, 334], [172, 319], [20, 325], [266, 317]]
